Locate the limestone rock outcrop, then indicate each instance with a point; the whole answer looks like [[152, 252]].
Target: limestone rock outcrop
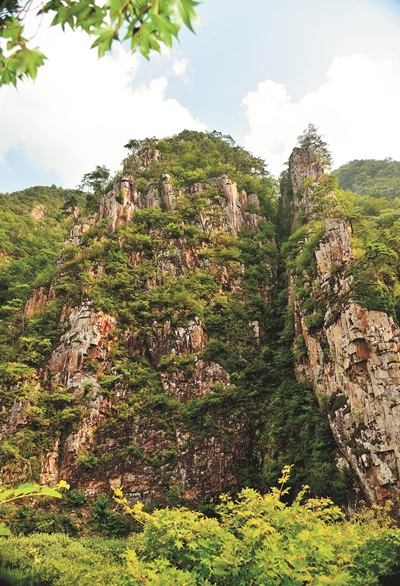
[[150, 457], [304, 164], [353, 361], [86, 337], [120, 204], [305, 172], [193, 470], [38, 301]]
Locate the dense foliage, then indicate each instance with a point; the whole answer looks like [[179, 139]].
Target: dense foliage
[[33, 224], [370, 201], [255, 539], [59, 560], [375, 225], [260, 540], [25, 491], [193, 157]]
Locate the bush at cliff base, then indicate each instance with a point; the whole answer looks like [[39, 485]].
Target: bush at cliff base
[[255, 539]]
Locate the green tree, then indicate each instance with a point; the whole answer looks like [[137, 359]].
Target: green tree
[[96, 183], [96, 180], [70, 204], [135, 146], [310, 139], [146, 24]]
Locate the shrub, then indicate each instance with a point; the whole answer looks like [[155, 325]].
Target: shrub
[[315, 321], [106, 521], [258, 539], [59, 560], [369, 290]]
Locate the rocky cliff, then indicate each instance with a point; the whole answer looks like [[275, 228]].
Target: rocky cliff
[[159, 357], [351, 354], [142, 378]]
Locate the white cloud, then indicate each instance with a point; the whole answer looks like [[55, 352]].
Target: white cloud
[[82, 110], [356, 110], [179, 67]]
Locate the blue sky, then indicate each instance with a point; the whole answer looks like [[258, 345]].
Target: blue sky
[[259, 71]]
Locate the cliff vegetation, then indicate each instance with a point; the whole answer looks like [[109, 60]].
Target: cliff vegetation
[[182, 331]]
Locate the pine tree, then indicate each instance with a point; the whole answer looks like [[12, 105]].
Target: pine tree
[[310, 139]]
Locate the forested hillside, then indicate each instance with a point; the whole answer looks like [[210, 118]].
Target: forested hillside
[[188, 331], [33, 225], [370, 200], [371, 178]]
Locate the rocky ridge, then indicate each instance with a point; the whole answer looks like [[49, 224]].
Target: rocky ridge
[[120, 204], [353, 361]]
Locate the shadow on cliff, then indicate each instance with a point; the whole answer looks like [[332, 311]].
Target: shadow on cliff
[[393, 580]]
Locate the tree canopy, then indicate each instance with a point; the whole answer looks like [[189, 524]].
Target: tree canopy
[[310, 139], [146, 24]]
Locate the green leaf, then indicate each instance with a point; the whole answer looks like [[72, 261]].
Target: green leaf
[[187, 12], [4, 530], [4, 494], [47, 491], [25, 489], [146, 24], [106, 35], [24, 62]]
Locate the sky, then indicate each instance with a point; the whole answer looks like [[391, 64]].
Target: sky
[[259, 71]]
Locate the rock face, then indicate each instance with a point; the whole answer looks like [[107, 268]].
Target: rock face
[[163, 312], [304, 164], [77, 232], [120, 204], [38, 301], [186, 443], [86, 337], [182, 467], [353, 362], [305, 172]]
